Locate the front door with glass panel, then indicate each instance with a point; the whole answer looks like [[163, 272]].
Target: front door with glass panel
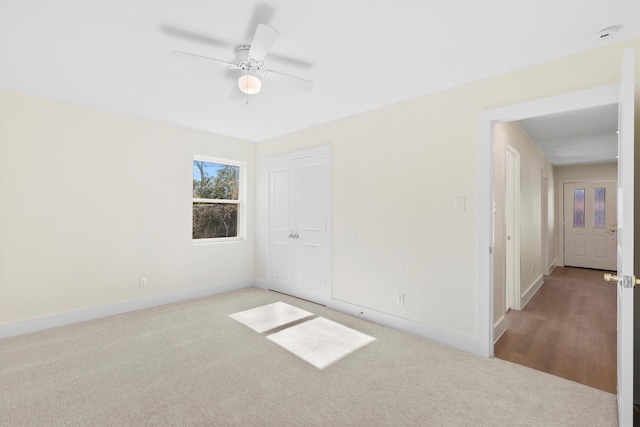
[[590, 225]]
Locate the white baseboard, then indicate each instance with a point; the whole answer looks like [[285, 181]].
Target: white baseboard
[[430, 332], [531, 291], [499, 328], [433, 333], [62, 319], [552, 265]]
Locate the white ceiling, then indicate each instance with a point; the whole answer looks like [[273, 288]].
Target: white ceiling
[[114, 55], [578, 137]]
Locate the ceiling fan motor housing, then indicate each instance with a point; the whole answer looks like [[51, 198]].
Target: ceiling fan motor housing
[[246, 63]]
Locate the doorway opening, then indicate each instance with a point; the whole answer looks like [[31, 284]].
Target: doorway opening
[[606, 95], [543, 325]]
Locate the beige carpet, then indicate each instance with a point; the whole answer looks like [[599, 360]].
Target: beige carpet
[[190, 364]]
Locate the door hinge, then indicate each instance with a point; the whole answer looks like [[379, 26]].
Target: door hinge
[[325, 226], [490, 250]]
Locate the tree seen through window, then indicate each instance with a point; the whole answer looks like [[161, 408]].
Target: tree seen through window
[[215, 200]]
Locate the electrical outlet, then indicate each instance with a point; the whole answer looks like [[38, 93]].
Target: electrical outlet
[[400, 299], [143, 283]]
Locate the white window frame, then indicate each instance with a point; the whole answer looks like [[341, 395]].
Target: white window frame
[[241, 202]]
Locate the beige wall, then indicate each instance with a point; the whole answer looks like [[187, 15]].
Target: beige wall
[[92, 202], [533, 165], [604, 171], [396, 173]]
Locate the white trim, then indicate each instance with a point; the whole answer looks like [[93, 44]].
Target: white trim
[[433, 333], [499, 328], [220, 201], [531, 291], [219, 160], [320, 149], [544, 222], [600, 96], [62, 319]]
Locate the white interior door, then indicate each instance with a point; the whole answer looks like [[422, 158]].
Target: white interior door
[[299, 241], [590, 225], [508, 222], [283, 253], [626, 278], [311, 213], [512, 225]]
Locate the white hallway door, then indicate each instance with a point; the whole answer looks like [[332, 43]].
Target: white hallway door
[[299, 224], [590, 222], [625, 274], [512, 226]]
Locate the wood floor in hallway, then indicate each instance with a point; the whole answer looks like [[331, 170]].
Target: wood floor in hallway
[[568, 329]]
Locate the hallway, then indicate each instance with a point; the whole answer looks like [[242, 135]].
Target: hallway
[[568, 329]]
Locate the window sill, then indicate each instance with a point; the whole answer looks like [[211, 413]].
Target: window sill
[[218, 240]]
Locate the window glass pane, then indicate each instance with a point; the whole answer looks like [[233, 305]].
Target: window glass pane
[[212, 220], [215, 181], [578, 207], [598, 207]]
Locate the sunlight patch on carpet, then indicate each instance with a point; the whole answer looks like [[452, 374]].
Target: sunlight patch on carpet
[[270, 316], [320, 341]]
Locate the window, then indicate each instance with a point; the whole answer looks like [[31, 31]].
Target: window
[[598, 207], [578, 207], [218, 199]]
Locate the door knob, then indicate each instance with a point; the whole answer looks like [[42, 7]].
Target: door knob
[[613, 278], [610, 277], [613, 230]]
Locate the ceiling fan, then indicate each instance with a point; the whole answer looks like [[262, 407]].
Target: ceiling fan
[[250, 59]]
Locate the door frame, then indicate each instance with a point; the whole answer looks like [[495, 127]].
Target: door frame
[[596, 97], [321, 149], [544, 215]]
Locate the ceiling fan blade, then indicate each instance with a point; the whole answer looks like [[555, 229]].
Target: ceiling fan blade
[[194, 36], [295, 82], [262, 14], [197, 58], [262, 42], [289, 60]]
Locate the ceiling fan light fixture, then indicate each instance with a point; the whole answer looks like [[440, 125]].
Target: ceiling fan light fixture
[[249, 84]]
